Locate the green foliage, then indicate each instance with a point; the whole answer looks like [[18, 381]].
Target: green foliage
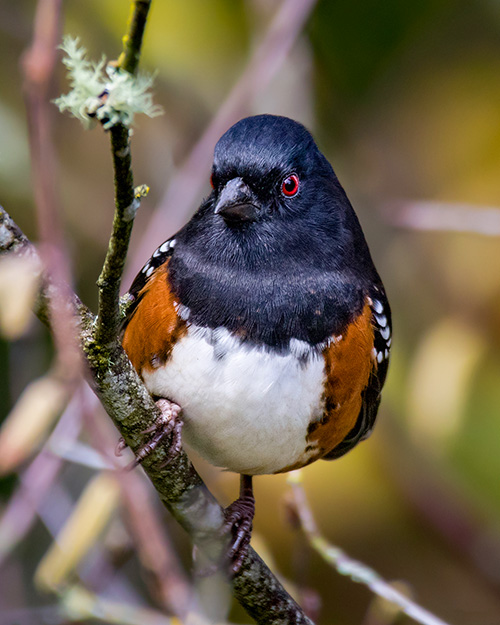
[[103, 92]]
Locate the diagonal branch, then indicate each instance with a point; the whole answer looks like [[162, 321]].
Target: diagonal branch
[[179, 486], [345, 565]]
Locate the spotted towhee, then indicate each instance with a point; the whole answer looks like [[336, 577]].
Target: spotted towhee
[[264, 318]]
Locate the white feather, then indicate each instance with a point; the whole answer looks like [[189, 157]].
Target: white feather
[[245, 408]]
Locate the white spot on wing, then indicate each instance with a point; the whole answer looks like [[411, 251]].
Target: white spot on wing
[[183, 312], [385, 333], [377, 306]]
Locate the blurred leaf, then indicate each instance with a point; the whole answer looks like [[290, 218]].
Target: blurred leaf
[[19, 279], [30, 420], [14, 155], [80, 604], [440, 381], [80, 532]]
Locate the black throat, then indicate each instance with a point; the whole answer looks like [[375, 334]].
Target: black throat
[[266, 286]]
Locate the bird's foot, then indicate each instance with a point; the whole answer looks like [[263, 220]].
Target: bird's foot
[[169, 423], [238, 524]]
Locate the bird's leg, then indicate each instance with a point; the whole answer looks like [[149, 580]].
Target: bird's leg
[[169, 422], [238, 522]]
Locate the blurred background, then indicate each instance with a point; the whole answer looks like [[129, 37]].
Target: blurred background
[[404, 99]]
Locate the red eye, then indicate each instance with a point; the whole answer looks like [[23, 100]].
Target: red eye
[[212, 181], [290, 185]]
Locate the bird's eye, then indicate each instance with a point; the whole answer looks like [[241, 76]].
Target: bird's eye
[[290, 185], [212, 183]]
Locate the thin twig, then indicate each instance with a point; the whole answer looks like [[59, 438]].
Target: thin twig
[[126, 201], [444, 217], [21, 511], [132, 40], [39, 62], [153, 546], [125, 207], [345, 565], [186, 186]]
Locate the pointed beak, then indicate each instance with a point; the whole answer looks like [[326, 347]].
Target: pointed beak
[[237, 203]]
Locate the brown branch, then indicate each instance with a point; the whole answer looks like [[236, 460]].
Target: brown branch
[[39, 63], [179, 486]]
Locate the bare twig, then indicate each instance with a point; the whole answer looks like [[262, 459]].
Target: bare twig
[[39, 63], [186, 186], [444, 216], [154, 549], [132, 41], [22, 509], [345, 565]]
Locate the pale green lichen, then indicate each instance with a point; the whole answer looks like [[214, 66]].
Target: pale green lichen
[[100, 91]]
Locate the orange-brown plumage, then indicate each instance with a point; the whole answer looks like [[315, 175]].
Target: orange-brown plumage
[[154, 326], [348, 365]]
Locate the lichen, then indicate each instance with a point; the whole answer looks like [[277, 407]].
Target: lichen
[[102, 92]]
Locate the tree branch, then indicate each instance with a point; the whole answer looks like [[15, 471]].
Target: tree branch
[[179, 486]]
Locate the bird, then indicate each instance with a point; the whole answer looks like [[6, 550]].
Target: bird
[[262, 328]]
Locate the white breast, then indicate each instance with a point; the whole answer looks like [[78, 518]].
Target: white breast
[[245, 408]]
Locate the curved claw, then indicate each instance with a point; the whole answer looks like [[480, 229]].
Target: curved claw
[[120, 446], [239, 518], [168, 423]]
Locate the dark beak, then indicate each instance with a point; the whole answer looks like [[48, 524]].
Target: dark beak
[[237, 203]]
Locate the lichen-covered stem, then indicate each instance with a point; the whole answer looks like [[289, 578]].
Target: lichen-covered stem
[[108, 318], [109, 282]]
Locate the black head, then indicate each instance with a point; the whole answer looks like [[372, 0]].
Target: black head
[[266, 167], [275, 197]]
